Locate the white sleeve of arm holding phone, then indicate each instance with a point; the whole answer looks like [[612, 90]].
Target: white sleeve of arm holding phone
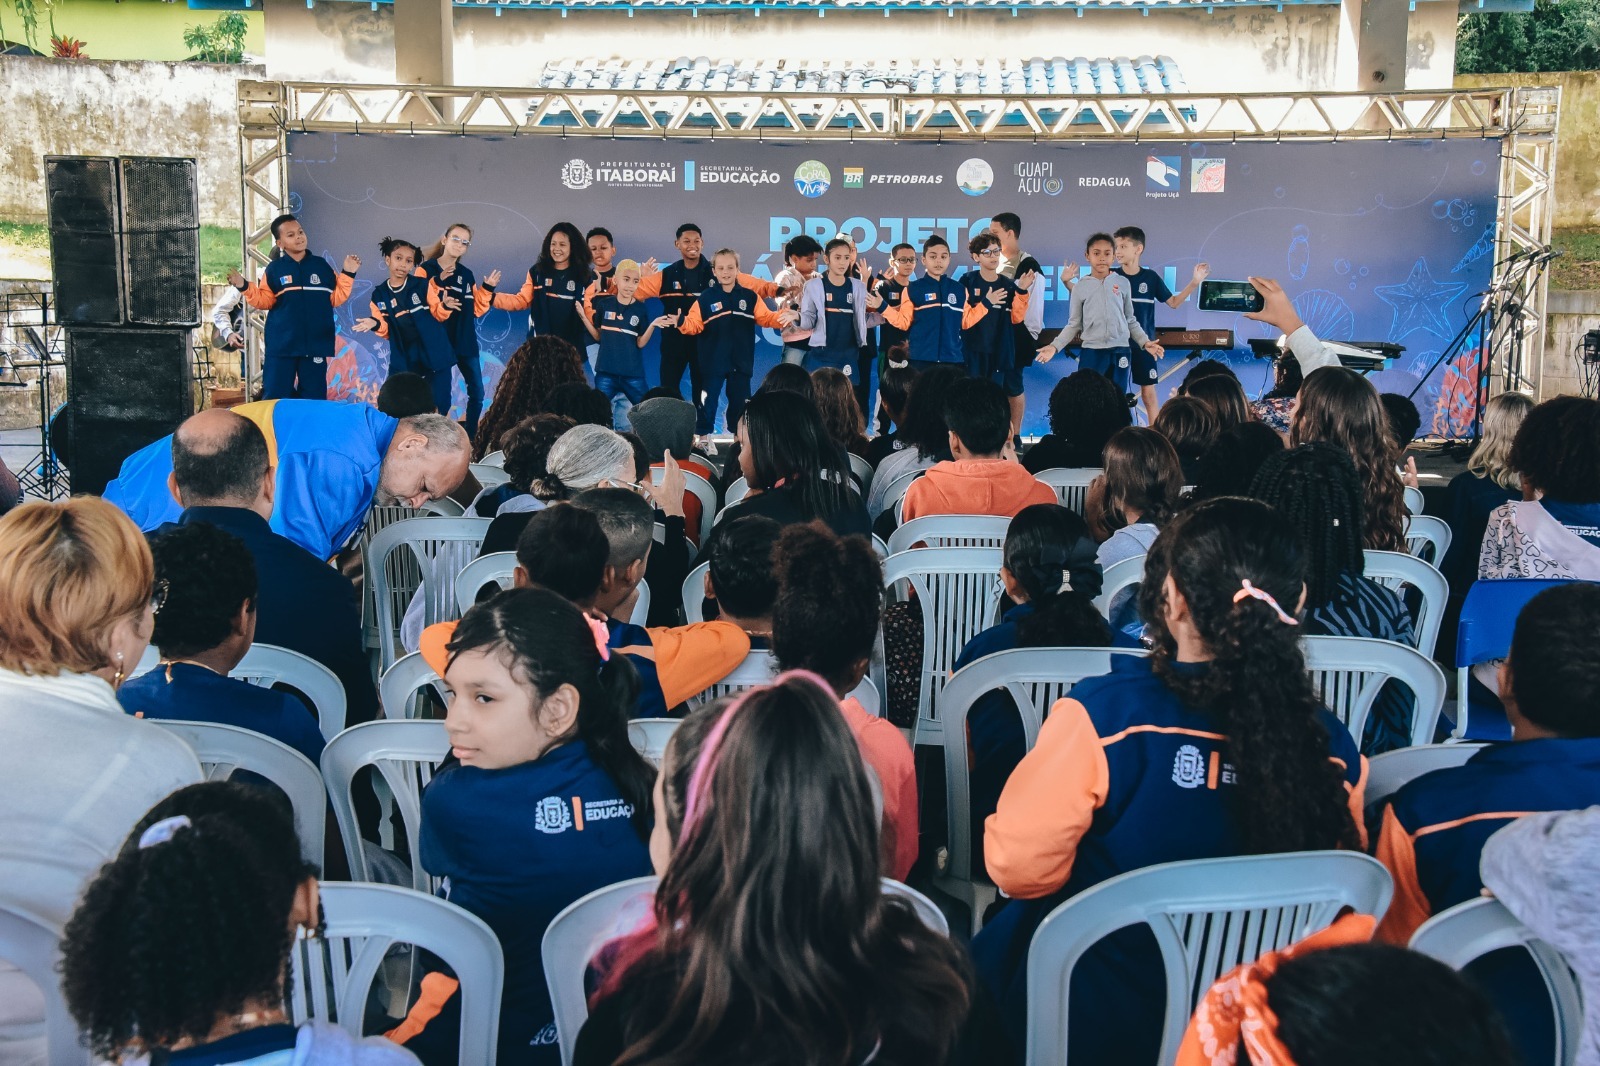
[[1310, 351]]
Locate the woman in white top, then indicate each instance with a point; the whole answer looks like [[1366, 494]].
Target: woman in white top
[[76, 772]]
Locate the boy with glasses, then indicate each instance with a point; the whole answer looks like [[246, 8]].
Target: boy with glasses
[[994, 305]]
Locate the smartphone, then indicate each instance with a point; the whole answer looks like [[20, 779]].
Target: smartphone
[[1230, 296]]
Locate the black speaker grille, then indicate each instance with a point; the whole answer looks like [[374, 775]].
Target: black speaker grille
[[159, 194], [88, 277], [163, 277], [125, 388], [81, 193]]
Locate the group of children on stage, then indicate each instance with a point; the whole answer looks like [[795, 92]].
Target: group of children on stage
[[987, 321]]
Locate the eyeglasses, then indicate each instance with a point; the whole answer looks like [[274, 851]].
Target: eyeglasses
[[905, 259], [990, 251], [158, 595], [463, 241]]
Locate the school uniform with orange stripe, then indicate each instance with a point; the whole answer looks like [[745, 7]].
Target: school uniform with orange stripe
[[1124, 776], [676, 662]]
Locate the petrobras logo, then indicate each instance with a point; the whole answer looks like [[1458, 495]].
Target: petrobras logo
[[905, 179], [975, 177], [698, 174], [1035, 176], [853, 177], [576, 174], [811, 178]]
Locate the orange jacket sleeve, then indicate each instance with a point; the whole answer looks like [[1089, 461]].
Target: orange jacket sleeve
[[382, 329], [648, 287], [1019, 308], [1358, 802], [259, 295], [690, 659], [692, 322], [341, 289], [589, 295], [1048, 804], [1410, 908], [521, 301], [885, 751], [766, 316], [482, 300], [767, 290], [973, 314], [899, 316], [436, 306]]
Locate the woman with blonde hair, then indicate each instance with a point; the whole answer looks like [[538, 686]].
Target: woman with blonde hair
[[1489, 481], [77, 605]]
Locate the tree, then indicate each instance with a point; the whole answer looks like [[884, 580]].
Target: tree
[[220, 42], [1555, 35]]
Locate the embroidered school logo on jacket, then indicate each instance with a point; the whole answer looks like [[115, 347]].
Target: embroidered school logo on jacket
[[551, 815], [1189, 767], [315, 280]]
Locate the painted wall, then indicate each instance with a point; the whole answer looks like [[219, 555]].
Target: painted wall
[[1577, 140], [120, 108], [131, 29]]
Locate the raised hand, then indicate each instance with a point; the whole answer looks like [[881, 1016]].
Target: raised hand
[[665, 321], [236, 279], [1202, 271], [352, 263], [1069, 271], [669, 494], [1027, 281], [450, 302], [997, 297], [1279, 311], [874, 301], [650, 267], [366, 325], [492, 278]]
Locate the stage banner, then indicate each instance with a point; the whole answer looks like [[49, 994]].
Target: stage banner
[[1375, 240]]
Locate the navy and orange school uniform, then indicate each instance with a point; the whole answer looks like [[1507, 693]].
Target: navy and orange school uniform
[[889, 334], [189, 692], [553, 300], [461, 327], [678, 286], [619, 366], [299, 298], [676, 662], [726, 321], [412, 318], [1123, 776], [989, 336], [932, 314]]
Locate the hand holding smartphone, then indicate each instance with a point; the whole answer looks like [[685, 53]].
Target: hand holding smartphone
[[1239, 296]]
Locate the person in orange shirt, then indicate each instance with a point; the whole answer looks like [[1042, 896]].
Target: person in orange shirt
[[984, 477], [825, 620]]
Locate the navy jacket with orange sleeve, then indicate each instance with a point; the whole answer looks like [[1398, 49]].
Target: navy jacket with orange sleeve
[[676, 662], [299, 297], [727, 322]]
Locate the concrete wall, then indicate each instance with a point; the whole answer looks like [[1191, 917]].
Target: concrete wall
[[1249, 50], [54, 107], [129, 29], [1569, 314], [1577, 140]]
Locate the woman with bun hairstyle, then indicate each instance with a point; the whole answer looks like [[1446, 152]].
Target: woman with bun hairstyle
[[408, 310]]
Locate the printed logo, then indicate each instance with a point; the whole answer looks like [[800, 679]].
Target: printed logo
[[605, 810], [1144, 287], [1122, 363], [576, 174], [415, 299], [812, 178], [854, 177], [546, 1037], [1207, 175], [319, 360], [315, 280], [286, 279], [1034, 176], [715, 174], [1052, 186], [551, 815], [847, 369], [741, 305], [906, 179], [571, 284], [1161, 176], [716, 307], [1189, 768], [975, 177]]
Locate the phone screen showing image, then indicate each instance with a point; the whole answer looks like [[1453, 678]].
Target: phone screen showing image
[[1230, 296]]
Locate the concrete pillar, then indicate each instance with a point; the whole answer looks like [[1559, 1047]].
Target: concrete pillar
[[1372, 45], [424, 42], [1431, 45]]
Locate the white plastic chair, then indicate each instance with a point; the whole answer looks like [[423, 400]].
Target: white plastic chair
[[1470, 930], [737, 490], [1071, 484], [701, 489], [861, 471], [758, 668], [409, 675], [694, 593], [1393, 770], [926, 909], [489, 476], [880, 547], [444, 507], [1424, 531], [959, 592], [1035, 678], [1414, 500], [266, 665], [641, 606], [34, 947], [1399, 571], [494, 458], [1348, 672], [1122, 574], [649, 736], [224, 750], [406, 754], [950, 531], [496, 567], [333, 973], [895, 494], [1208, 916], [407, 555]]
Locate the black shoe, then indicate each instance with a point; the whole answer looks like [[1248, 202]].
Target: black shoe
[[1133, 401]]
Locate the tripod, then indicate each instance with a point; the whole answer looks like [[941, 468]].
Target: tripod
[[41, 476]]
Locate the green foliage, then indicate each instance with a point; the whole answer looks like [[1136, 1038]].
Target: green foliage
[[1555, 35], [28, 11], [220, 42]]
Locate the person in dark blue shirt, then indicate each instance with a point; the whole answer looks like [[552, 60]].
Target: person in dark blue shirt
[[205, 625]]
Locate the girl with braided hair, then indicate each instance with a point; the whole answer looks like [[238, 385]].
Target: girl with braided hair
[[1215, 745], [531, 374], [1341, 407]]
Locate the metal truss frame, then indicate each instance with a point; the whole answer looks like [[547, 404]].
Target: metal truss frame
[[1523, 119]]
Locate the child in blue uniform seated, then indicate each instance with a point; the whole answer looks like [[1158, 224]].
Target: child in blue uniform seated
[[542, 801], [206, 623]]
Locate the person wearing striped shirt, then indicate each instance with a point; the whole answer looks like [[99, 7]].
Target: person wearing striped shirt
[[725, 316]]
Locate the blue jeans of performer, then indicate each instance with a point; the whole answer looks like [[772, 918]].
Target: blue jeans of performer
[[794, 353], [471, 367], [294, 378], [1112, 363], [614, 385], [738, 385]]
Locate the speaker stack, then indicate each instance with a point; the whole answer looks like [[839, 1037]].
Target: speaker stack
[[125, 247]]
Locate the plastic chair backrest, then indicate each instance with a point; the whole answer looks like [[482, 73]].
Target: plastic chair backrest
[[1414, 500], [861, 471], [32, 946], [1393, 770], [649, 736], [381, 517], [1208, 916], [496, 567], [402, 682], [1470, 930], [1347, 672], [1427, 537], [895, 494], [1035, 678], [1071, 485], [1399, 571], [223, 750], [1488, 618], [926, 909], [880, 546], [494, 458], [1122, 574], [738, 489], [266, 665], [641, 606], [694, 593], [405, 556], [959, 592], [758, 668], [866, 694], [406, 753], [489, 476], [702, 491], [333, 973], [950, 531], [443, 507]]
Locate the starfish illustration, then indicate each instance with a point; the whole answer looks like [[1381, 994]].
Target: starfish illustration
[[1419, 302]]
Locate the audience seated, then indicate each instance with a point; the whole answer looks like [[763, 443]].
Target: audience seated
[[783, 377], [542, 363], [1231, 464], [579, 401], [1132, 501], [207, 621], [1191, 427], [1342, 408], [1085, 410], [925, 434], [75, 771], [1276, 407], [526, 446], [841, 414], [739, 585], [1488, 481], [982, 477], [405, 394], [768, 850], [825, 620], [1553, 532], [1205, 368], [793, 469], [1128, 770], [894, 394], [1402, 418], [628, 522], [543, 800], [1223, 394], [179, 951], [666, 425]]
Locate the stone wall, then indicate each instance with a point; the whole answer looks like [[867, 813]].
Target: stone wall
[[1569, 314]]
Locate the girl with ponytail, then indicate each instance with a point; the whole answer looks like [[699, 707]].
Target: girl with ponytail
[[1215, 745], [467, 301], [542, 800], [408, 310]]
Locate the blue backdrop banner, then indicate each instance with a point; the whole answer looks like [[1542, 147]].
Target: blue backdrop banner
[[1375, 240]]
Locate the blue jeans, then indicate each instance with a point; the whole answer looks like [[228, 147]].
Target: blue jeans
[[794, 353], [471, 367], [614, 385], [1112, 363]]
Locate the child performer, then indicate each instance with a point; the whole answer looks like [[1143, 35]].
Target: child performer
[[618, 322], [800, 255], [933, 311], [408, 309], [1148, 288], [553, 291], [458, 290], [722, 317], [989, 339], [839, 310], [299, 292], [1102, 313]]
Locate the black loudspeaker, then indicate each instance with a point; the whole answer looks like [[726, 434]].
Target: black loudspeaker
[[160, 241], [85, 239], [125, 388]]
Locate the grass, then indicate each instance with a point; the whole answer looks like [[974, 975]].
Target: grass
[[30, 241], [1579, 268]]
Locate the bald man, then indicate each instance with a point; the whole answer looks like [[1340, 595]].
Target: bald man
[[331, 462]]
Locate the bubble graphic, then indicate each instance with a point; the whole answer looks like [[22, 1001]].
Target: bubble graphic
[[1478, 166], [1299, 252], [1279, 192], [1341, 266]]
